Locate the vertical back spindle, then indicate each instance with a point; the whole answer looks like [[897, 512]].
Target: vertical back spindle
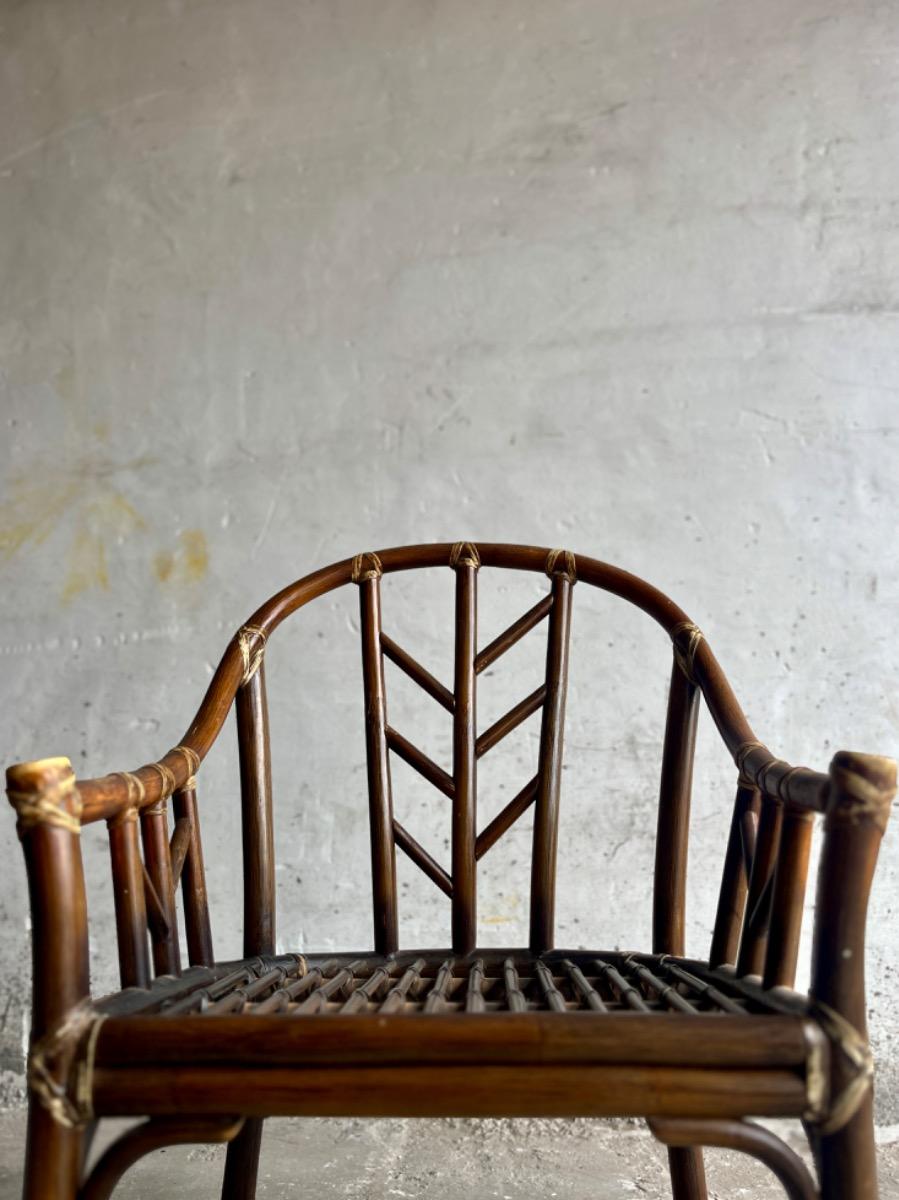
[[669, 893], [154, 835], [193, 880], [256, 811], [561, 569], [670, 879], [465, 561], [754, 936], [130, 903], [788, 899], [367, 574], [258, 839], [735, 876]]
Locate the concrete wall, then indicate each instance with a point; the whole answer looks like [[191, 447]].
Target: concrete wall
[[284, 281]]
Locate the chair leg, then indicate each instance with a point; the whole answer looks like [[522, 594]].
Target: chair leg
[[687, 1173], [52, 1157], [748, 1138], [847, 1160], [242, 1163]]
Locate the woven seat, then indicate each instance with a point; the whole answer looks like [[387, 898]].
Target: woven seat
[[205, 1050], [495, 981], [420, 1030]]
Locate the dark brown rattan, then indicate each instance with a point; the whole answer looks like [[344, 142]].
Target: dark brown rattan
[[508, 981], [208, 1050]]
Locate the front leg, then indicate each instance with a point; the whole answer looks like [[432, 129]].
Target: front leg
[[46, 800]]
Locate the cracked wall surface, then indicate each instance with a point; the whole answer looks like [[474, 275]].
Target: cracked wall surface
[[286, 282]]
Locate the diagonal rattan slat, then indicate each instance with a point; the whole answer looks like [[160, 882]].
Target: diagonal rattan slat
[[416, 671], [506, 818], [514, 633], [419, 760], [421, 858], [511, 720]]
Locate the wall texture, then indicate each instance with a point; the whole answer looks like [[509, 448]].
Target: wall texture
[[284, 281]]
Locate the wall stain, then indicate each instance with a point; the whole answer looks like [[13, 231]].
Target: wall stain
[[33, 515], [512, 902], [81, 499], [107, 517], [188, 563]]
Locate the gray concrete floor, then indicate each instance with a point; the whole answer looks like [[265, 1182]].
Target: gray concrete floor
[[449, 1160]]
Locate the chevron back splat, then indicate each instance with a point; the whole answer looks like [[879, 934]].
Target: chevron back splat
[[460, 787]]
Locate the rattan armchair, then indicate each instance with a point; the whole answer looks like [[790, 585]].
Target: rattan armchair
[[205, 1052]]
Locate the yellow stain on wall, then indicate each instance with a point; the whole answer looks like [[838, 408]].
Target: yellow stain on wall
[[33, 513], [188, 563], [512, 902], [107, 517], [80, 499], [77, 500], [87, 565]]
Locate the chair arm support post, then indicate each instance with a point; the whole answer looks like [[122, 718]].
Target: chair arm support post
[[862, 787], [49, 810], [670, 876], [46, 799]]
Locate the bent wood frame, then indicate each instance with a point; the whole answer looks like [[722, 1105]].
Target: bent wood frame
[[75, 1076]]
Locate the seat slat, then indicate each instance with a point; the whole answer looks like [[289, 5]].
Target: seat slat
[[409, 983], [361, 995], [702, 987], [437, 998], [328, 988], [626, 991], [474, 997], [588, 994], [665, 992], [514, 995], [280, 999], [554, 998]]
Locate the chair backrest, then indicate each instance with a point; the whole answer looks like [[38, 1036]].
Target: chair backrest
[[460, 787], [770, 824]]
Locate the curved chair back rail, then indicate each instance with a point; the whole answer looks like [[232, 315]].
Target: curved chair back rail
[[103, 797]]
